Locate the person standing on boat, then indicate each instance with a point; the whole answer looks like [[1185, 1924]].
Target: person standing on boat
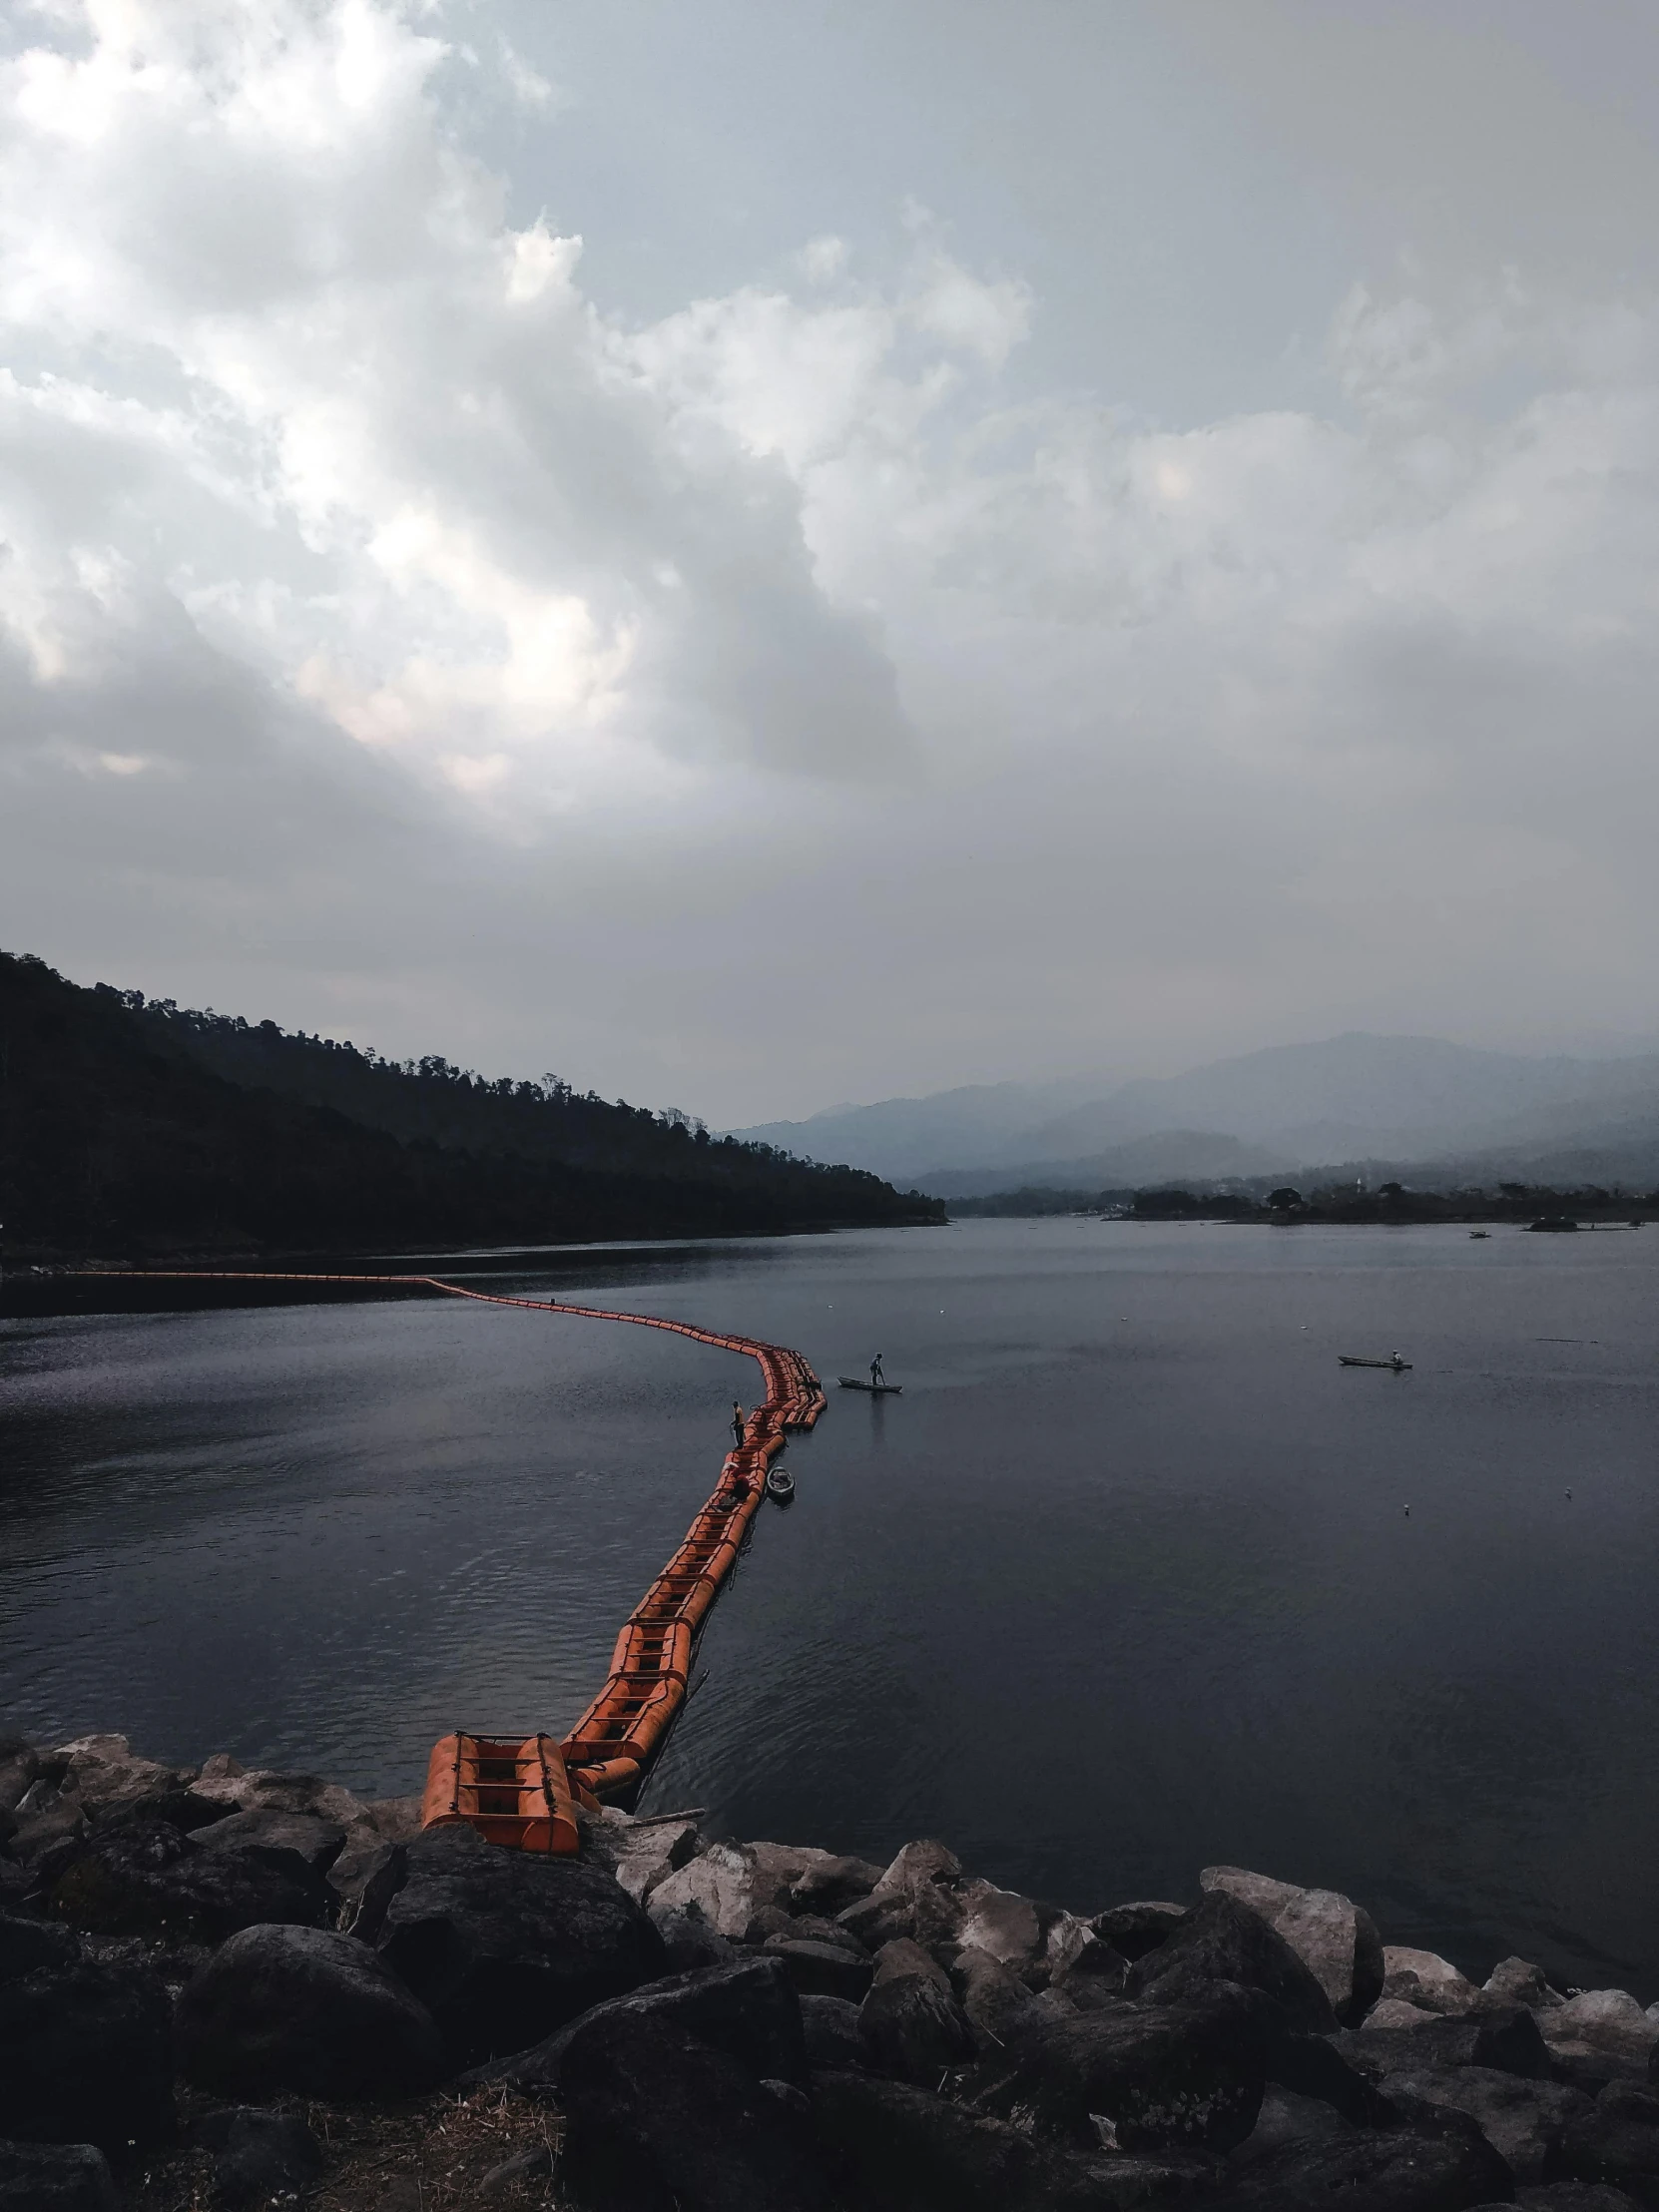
[[737, 1426], [876, 1377]]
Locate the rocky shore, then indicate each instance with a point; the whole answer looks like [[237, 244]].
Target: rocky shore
[[222, 1988]]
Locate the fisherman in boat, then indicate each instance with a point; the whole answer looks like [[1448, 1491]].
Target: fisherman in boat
[[876, 1377], [737, 1426], [1397, 1363]]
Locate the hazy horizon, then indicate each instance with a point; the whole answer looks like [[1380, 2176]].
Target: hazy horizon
[[773, 557]]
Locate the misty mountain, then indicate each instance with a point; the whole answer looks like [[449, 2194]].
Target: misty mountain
[[1350, 1098]]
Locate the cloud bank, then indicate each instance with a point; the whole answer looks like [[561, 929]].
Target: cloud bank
[[395, 639]]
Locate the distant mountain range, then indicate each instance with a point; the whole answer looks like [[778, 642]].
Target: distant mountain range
[[1292, 1108]]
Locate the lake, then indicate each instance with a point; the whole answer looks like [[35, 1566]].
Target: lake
[[1122, 1585]]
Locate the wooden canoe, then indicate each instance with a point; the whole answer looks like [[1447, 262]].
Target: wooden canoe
[[875, 1389]]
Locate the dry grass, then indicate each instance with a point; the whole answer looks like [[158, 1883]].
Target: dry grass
[[430, 2155]]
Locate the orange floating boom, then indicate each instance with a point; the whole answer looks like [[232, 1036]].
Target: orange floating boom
[[523, 1794]]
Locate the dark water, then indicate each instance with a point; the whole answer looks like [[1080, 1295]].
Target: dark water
[[1122, 1585]]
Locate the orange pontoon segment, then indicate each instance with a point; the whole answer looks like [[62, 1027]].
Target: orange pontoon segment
[[513, 1793]]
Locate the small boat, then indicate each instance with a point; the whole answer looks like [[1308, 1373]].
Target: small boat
[[1352, 1359], [781, 1484], [875, 1389], [1479, 1236]]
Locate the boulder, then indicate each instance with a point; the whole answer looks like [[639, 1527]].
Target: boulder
[[1383, 2170], [879, 1918], [780, 1868], [1527, 2123], [830, 2027], [1162, 2075], [1618, 2142], [1221, 1939], [54, 2177], [505, 1948], [822, 1969], [1505, 2039], [26, 1945], [689, 1941], [260, 2155], [86, 2056], [1395, 2012], [830, 1884], [1336, 1940], [652, 1851], [19, 1765], [894, 2148], [749, 2010], [719, 1885], [920, 1884], [316, 1840], [1575, 2196], [1425, 1979], [911, 2024], [137, 1875], [365, 1899], [1285, 2118], [997, 2003], [305, 2009], [1041, 1942], [264, 1789], [1519, 1981], [48, 1811], [1309, 2067], [1135, 1928], [1603, 2020], [106, 1774], [658, 2121]]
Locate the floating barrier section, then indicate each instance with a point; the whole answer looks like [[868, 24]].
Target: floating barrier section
[[525, 1794]]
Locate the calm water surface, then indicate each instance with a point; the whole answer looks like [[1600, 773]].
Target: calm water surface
[[1122, 1585]]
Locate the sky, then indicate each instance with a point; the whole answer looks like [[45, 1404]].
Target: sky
[[754, 556]]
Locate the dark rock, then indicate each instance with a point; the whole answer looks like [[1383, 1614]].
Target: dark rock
[[998, 2006], [505, 1948], [27, 1944], [789, 2096], [1505, 2038], [56, 2177], [658, 2121], [833, 1885], [1309, 2067], [304, 2008], [1134, 1930], [771, 1920], [1388, 2170], [317, 1841], [266, 2155], [1618, 2141], [364, 1906], [1221, 1939], [823, 1970], [47, 1813], [1287, 2118], [749, 2010], [1042, 1942], [144, 1877], [921, 1885], [1575, 2196], [1527, 2123], [181, 1808], [19, 1766], [86, 2056], [1425, 1979], [689, 1942], [911, 2022], [524, 2165], [1161, 2075], [1519, 1981], [879, 1918], [1336, 1940], [890, 2147], [831, 2027]]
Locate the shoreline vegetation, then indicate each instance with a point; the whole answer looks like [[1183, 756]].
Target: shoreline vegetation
[[1528, 1205], [232, 1987], [135, 1132]]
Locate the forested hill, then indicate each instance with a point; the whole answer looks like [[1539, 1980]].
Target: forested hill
[[129, 1128]]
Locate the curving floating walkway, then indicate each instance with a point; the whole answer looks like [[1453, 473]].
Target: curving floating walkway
[[525, 1794]]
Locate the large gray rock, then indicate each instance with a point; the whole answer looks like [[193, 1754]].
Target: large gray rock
[[1135, 1928], [718, 1886], [505, 1948], [54, 2177], [1222, 1939], [749, 2010], [919, 1888], [1336, 1940], [305, 2009], [1388, 2170], [998, 2006], [135, 1875], [1425, 1979], [657, 2119], [1527, 2123], [1517, 1981], [1160, 2076], [832, 1884], [1040, 1943], [106, 1772], [309, 1836], [86, 2056], [1618, 2142], [911, 2024], [822, 1969], [1602, 2020]]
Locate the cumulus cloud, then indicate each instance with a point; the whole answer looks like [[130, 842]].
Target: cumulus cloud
[[390, 633]]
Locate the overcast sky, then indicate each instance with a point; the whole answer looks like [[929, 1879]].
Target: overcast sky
[[757, 554]]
